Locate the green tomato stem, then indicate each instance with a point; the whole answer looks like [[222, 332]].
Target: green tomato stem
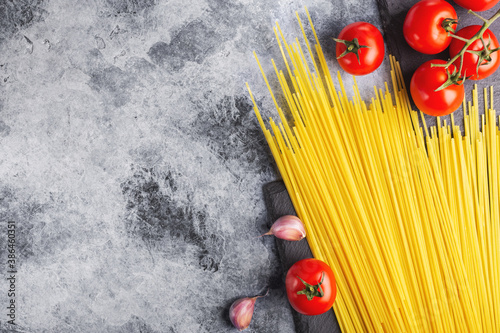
[[477, 15], [448, 23], [468, 42], [453, 78], [458, 37]]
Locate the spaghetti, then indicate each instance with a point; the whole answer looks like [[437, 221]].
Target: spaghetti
[[407, 216]]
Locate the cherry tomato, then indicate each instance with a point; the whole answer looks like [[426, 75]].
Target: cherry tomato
[[470, 61], [423, 26], [310, 286], [477, 5], [360, 48], [424, 83]]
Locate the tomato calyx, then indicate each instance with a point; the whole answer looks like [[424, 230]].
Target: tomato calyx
[[310, 290], [454, 78], [352, 46], [448, 24], [484, 55]]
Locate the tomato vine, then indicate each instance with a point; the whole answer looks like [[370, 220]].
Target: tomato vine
[[483, 55]]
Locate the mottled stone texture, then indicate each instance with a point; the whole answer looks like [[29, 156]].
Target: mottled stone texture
[[133, 165]]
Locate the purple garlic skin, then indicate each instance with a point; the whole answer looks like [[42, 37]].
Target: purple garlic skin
[[289, 228], [241, 312]]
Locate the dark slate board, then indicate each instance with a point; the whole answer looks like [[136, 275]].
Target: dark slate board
[[278, 204]]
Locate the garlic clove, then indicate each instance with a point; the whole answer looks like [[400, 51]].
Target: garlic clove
[[288, 227], [241, 311]]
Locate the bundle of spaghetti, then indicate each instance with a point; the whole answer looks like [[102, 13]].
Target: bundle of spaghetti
[[407, 216]]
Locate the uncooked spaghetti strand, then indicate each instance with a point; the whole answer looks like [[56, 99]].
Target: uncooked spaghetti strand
[[349, 151], [299, 174], [450, 245], [303, 141]]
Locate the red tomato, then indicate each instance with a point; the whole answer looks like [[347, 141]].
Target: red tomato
[[305, 281], [426, 80], [360, 48], [423, 26], [477, 5], [470, 61]]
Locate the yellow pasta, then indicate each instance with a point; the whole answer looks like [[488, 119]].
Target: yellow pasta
[[406, 216]]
